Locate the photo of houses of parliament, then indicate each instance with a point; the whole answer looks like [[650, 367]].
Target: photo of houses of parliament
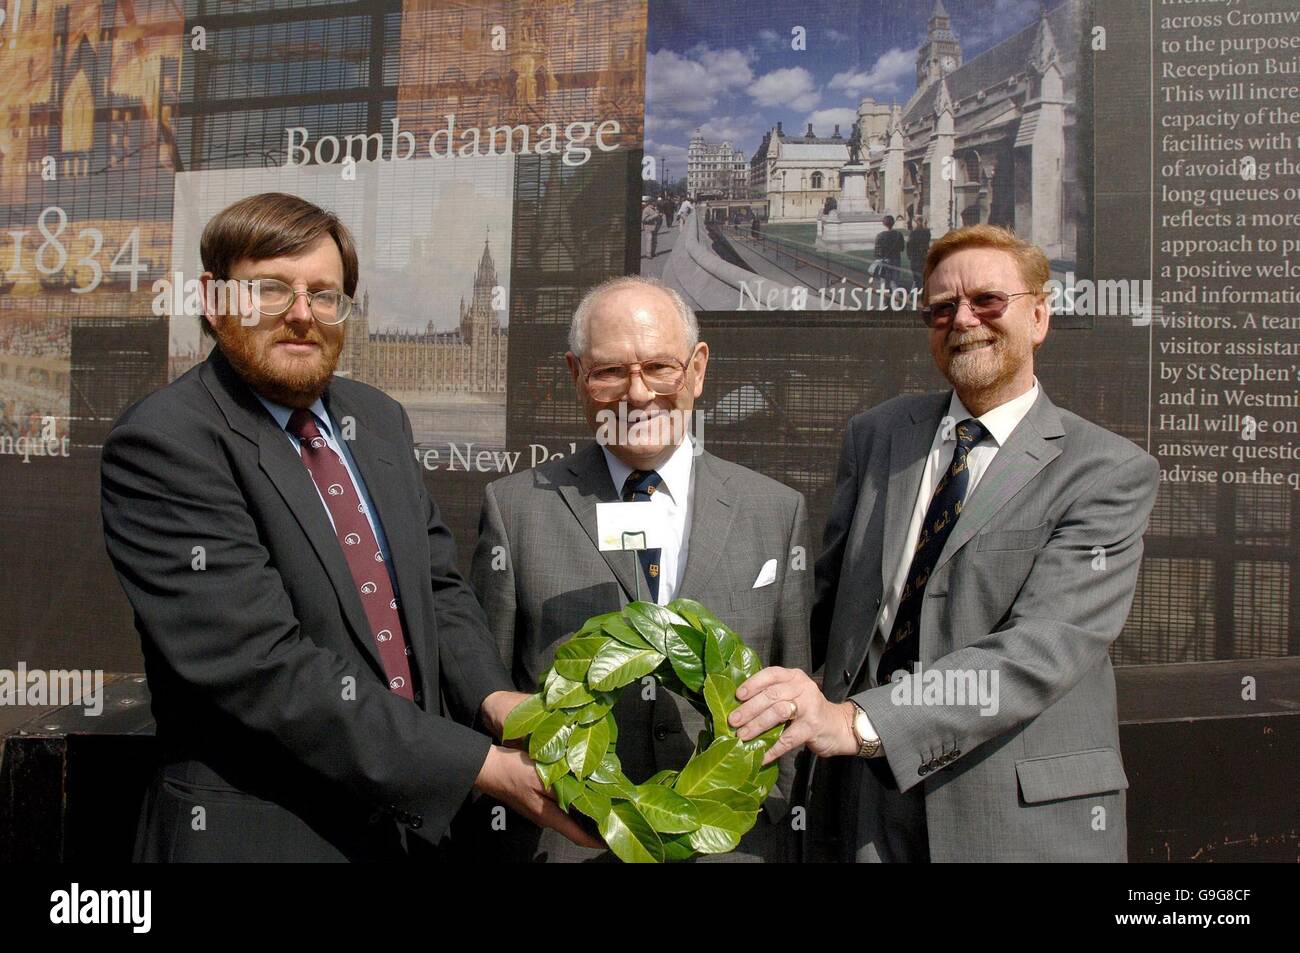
[[469, 359]]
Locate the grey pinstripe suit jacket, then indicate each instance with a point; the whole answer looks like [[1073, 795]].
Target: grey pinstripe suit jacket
[[553, 578], [1022, 589]]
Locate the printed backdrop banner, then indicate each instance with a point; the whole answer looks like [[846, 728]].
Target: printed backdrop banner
[[495, 159]]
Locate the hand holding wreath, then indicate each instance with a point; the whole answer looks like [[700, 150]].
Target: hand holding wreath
[[707, 806]]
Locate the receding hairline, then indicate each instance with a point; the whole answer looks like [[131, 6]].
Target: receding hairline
[[580, 324]]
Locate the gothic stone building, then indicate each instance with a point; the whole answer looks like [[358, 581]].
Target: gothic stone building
[[470, 359], [987, 140], [796, 174]]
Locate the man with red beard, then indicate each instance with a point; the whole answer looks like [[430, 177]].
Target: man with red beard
[[980, 556], [302, 620]]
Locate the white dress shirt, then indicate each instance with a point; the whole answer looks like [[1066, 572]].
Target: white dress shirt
[[999, 422], [672, 503]]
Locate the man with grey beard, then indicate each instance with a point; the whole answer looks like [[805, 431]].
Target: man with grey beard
[[986, 536]]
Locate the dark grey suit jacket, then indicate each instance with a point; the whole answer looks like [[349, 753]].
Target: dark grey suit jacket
[[1034, 583], [540, 575], [274, 716]]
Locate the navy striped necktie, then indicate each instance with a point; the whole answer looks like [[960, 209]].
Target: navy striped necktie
[[639, 487], [903, 647]]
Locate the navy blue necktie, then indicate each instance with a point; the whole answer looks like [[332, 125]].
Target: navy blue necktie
[[903, 647], [638, 488]]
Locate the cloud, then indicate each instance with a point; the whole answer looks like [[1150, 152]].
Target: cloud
[[883, 78], [658, 123], [792, 87], [743, 132], [666, 151], [1018, 11], [692, 83], [824, 120], [769, 37], [1006, 17], [730, 67], [835, 36]]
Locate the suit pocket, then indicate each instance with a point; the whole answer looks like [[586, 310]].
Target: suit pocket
[[1079, 773], [755, 598], [1013, 539], [203, 793]]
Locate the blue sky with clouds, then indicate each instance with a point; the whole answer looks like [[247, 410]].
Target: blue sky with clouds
[[727, 67]]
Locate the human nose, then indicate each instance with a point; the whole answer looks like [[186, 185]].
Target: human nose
[[970, 320], [300, 310], [637, 391]]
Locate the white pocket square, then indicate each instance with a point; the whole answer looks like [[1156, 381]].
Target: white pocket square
[[766, 575]]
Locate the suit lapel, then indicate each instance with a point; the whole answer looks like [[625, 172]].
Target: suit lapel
[[711, 516], [592, 485], [284, 468], [1030, 447], [909, 448]]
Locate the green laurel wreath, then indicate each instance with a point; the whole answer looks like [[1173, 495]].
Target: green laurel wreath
[[715, 798]]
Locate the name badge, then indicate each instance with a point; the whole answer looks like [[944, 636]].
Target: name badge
[[629, 526]]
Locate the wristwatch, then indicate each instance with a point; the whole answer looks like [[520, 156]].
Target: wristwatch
[[868, 740]]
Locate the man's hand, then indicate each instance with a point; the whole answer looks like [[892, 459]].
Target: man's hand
[[496, 707], [510, 777], [778, 694]]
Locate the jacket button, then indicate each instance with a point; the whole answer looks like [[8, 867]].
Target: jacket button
[[848, 676], [661, 731], [416, 822], [923, 770]]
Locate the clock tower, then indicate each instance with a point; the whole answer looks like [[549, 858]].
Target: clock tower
[[940, 54]]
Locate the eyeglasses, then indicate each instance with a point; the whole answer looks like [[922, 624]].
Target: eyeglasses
[[272, 297], [609, 382], [985, 305]]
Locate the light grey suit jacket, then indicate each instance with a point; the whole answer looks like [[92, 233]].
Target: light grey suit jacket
[[1034, 584], [540, 576]]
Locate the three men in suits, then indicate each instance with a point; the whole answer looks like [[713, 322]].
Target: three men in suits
[[734, 541], [294, 586], [982, 551]]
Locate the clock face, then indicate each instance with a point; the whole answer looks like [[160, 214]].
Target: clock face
[[948, 64]]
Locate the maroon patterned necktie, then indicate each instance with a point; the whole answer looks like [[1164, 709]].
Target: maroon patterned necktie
[[360, 548]]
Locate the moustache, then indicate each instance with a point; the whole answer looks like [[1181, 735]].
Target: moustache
[[293, 339]]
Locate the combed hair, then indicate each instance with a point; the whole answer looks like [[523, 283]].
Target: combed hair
[[271, 225], [1030, 260]]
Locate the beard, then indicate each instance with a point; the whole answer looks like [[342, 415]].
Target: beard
[[294, 380], [983, 369]]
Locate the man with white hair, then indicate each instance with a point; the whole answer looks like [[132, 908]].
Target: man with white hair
[[733, 540]]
